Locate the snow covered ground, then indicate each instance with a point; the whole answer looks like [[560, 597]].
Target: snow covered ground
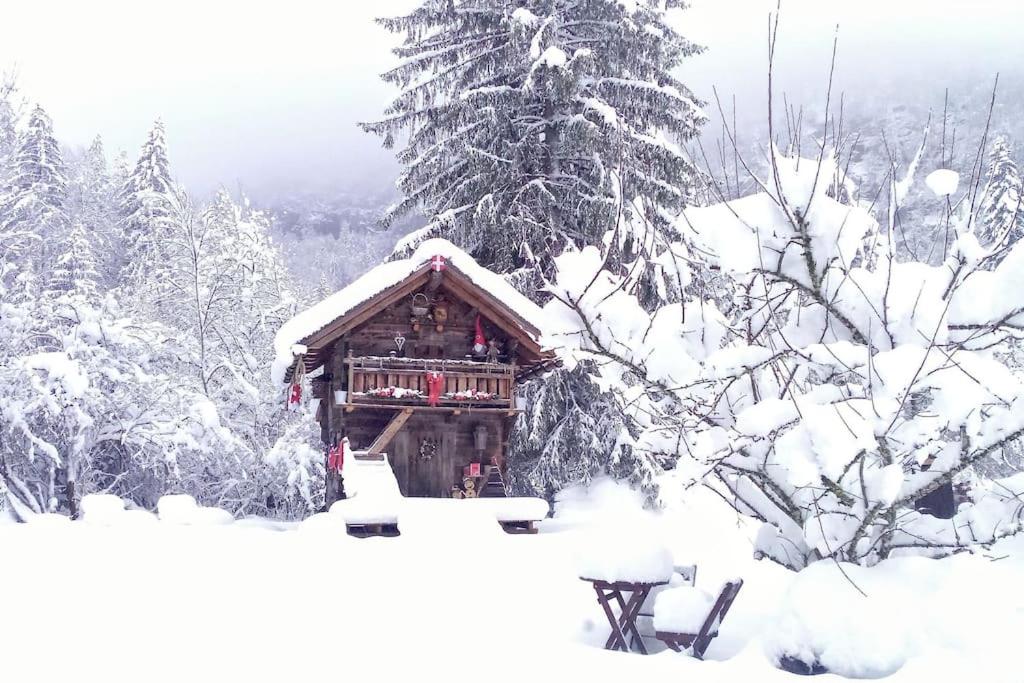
[[127, 597]]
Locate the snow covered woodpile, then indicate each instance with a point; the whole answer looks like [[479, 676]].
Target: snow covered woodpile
[[419, 359]]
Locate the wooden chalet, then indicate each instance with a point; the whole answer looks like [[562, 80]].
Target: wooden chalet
[[419, 358]]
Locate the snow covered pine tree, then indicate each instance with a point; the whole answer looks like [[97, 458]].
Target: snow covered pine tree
[[538, 126], [32, 208], [147, 202], [1001, 213]]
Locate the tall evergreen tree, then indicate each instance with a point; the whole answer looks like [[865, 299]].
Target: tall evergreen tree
[[147, 206], [92, 202], [1001, 212], [9, 115], [75, 270], [539, 124], [36, 196]]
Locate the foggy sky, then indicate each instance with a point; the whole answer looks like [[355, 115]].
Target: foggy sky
[[267, 94]]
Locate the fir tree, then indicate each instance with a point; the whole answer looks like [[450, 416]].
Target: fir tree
[[147, 205], [536, 125], [92, 202], [539, 126], [1001, 212], [75, 270], [34, 205], [9, 115]]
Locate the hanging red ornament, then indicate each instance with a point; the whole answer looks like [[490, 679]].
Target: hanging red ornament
[[295, 395], [336, 456], [435, 384], [438, 264], [479, 343], [332, 459], [295, 390]]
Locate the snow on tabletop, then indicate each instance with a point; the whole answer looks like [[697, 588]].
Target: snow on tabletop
[[943, 182], [367, 478], [366, 510], [381, 278], [323, 523], [628, 553], [448, 520], [682, 609]]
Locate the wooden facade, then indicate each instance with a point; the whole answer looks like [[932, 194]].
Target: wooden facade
[[373, 369]]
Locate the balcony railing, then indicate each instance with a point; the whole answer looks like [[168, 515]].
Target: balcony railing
[[404, 381]]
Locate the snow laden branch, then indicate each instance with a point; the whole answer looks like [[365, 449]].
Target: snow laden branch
[[836, 389]]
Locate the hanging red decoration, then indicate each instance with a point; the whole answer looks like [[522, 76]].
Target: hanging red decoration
[[479, 343], [438, 264], [336, 456], [295, 389], [435, 384]]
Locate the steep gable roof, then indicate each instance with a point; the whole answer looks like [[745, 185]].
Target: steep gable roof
[[322, 323]]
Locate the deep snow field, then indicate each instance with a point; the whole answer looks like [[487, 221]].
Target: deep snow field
[[125, 597]]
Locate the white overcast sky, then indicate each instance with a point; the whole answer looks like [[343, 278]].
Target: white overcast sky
[[268, 93]]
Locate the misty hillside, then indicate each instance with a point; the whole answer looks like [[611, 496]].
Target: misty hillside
[[329, 240]]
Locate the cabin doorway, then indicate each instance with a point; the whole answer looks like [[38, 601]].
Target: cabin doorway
[[423, 462]]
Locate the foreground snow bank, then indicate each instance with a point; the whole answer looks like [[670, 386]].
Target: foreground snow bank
[[262, 601]]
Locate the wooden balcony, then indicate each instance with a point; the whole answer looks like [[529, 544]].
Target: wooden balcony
[[378, 382]]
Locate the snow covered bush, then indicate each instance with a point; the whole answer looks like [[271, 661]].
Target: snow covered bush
[[88, 407], [297, 468], [841, 386]]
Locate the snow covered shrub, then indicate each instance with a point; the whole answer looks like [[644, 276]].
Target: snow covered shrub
[[87, 407], [843, 386], [296, 468]]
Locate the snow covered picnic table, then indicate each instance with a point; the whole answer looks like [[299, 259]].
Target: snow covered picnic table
[[629, 609], [625, 568], [376, 506]]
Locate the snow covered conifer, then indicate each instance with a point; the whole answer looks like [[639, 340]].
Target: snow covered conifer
[[9, 115], [33, 207], [537, 125], [74, 270], [92, 200], [147, 202], [1001, 213]]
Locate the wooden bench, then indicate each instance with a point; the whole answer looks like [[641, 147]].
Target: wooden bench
[[389, 530], [697, 643]]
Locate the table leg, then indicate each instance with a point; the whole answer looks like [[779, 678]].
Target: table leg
[[629, 614], [617, 639]]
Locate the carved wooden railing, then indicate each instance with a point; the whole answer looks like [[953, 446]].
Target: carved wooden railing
[[404, 381]]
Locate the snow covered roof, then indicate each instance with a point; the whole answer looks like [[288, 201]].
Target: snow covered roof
[[297, 332]]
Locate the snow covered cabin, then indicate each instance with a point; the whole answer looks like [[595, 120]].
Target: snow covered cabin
[[419, 358]]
